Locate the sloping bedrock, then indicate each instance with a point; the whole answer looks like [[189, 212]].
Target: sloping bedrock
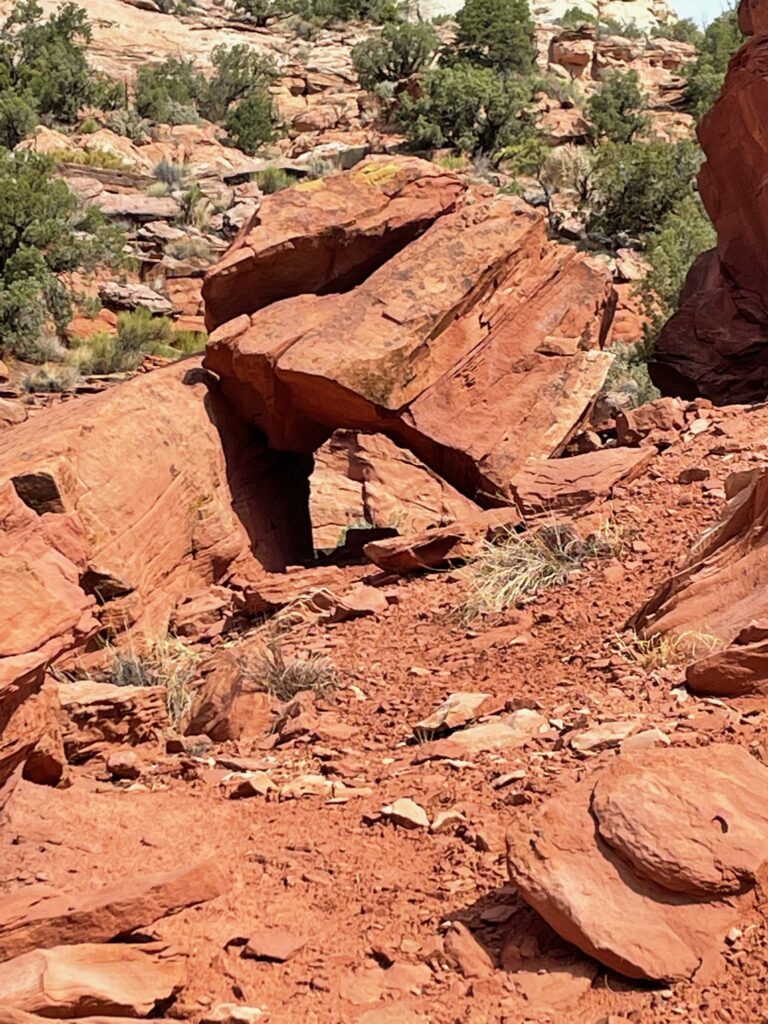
[[328, 235], [477, 346]]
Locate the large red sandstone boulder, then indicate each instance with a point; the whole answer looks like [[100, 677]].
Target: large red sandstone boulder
[[715, 344], [328, 234], [647, 863], [477, 345]]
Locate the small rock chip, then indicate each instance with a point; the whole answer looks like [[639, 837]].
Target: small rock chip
[[273, 944], [644, 741], [258, 784], [447, 821], [233, 1013], [601, 737], [465, 953], [124, 764], [406, 813]]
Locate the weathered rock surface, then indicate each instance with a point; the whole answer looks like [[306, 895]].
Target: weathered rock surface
[[739, 670], [715, 344], [477, 345], [74, 981], [232, 702], [96, 714], [39, 916], [327, 235], [367, 479], [721, 589], [647, 863]]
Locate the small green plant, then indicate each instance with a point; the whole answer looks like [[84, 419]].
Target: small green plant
[[665, 650], [497, 34], [138, 334], [684, 30], [576, 18], [284, 679], [399, 52], [170, 173], [451, 162], [514, 569], [274, 179], [92, 158], [191, 247], [50, 380]]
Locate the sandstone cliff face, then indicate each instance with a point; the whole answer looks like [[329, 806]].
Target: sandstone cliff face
[[715, 345]]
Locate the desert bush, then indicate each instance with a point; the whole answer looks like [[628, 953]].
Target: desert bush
[[575, 17], [684, 30], [399, 52], [128, 122], [274, 179], [92, 158], [283, 678], [569, 168], [170, 173], [497, 34], [251, 122], [614, 27], [514, 569], [17, 118], [471, 109], [260, 11], [705, 75], [637, 185], [616, 111], [238, 73], [43, 64], [138, 334], [665, 651], [50, 380], [628, 374], [682, 235], [45, 232], [175, 81]]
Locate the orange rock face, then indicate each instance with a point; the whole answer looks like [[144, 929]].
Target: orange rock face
[[477, 345], [715, 344]]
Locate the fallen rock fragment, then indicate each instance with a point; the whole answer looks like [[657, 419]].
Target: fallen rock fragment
[[506, 734], [660, 421], [465, 953], [741, 669], [273, 944], [406, 813], [647, 863], [456, 710], [99, 715], [89, 979], [601, 737], [36, 917]]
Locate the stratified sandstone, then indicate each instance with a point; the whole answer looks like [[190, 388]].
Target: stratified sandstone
[[647, 863], [715, 345], [477, 345]]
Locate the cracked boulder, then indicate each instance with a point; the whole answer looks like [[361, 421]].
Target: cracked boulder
[[647, 863]]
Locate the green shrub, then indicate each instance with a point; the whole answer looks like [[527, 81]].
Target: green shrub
[[92, 158], [616, 111], [174, 81], [138, 334], [475, 110], [637, 185], [683, 31], [18, 118], [574, 17], [399, 52], [274, 179], [498, 33], [250, 124], [705, 75], [170, 173], [128, 122], [45, 232], [260, 11], [614, 27], [682, 235], [238, 72]]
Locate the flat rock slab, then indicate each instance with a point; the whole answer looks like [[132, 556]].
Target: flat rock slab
[[646, 864], [40, 917], [91, 978]]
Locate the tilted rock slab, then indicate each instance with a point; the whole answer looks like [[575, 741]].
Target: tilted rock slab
[[42, 917], [721, 590], [74, 981], [647, 863], [477, 346]]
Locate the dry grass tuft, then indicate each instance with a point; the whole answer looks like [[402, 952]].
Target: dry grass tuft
[[284, 679], [169, 663], [516, 568], [660, 651]]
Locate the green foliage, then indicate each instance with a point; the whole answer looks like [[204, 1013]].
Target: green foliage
[[469, 108], [722, 38], [399, 52], [636, 185], [170, 173], [274, 179], [260, 11], [629, 374], [138, 334], [128, 122], [616, 111], [683, 31], [44, 74], [235, 94], [92, 158], [45, 231], [574, 17], [497, 33], [17, 118], [682, 236], [614, 27], [250, 123]]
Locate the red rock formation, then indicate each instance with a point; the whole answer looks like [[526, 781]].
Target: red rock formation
[[477, 346], [715, 345]]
